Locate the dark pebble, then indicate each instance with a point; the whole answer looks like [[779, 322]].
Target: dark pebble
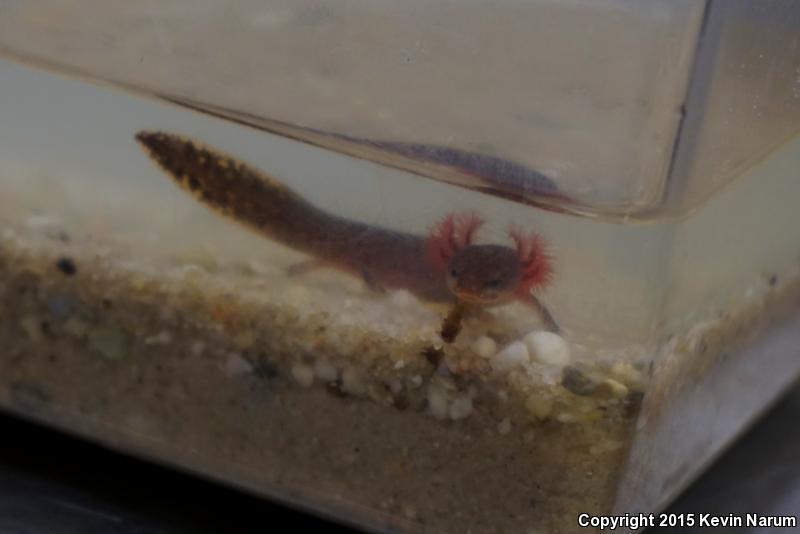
[[577, 382], [266, 371], [433, 355], [67, 266], [335, 389]]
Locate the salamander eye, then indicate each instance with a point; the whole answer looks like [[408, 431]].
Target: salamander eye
[[454, 273], [494, 283]]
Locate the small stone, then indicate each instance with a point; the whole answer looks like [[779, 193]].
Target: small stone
[[197, 348], [167, 314], [39, 222], [434, 355], [548, 348], [60, 306], [353, 382], [32, 327], [615, 388], [325, 371], [627, 373], [538, 405], [589, 416], [577, 382], [192, 273], [410, 512], [513, 355], [504, 426], [395, 386], [236, 365], [416, 381], [66, 266], [380, 393], [605, 447], [438, 402], [298, 295], [162, 338], [75, 328], [460, 408], [399, 364], [245, 340], [110, 341], [303, 374], [138, 283], [566, 417], [402, 299], [266, 370], [485, 347]]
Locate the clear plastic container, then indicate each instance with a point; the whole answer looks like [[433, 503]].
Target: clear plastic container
[[651, 145]]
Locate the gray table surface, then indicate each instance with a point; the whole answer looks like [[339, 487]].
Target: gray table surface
[[50, 483]]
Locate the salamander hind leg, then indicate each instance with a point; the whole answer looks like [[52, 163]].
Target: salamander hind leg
[[371, 283], [544, 314]]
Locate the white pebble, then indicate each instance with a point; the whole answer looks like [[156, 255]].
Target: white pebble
[[616, 388], [485, 347], [548, 348], [325, 371], [511, 356], [437, 402], [504, 426], [626, 372], [303, 374], [236, 365], [416, 381], [461, 408]]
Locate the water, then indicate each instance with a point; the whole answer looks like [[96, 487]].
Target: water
[[87, 134], [626, 295]]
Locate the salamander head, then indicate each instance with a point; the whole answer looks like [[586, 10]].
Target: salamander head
[[487, 274], [484, 274]]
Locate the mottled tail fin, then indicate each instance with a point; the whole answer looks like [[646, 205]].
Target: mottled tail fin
[[230, 186]]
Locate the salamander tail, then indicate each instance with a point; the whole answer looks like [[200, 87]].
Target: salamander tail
[[228, 186]]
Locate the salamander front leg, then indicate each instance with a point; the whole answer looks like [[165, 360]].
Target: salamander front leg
[[371, 283], [547, 318], [459, 311]]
